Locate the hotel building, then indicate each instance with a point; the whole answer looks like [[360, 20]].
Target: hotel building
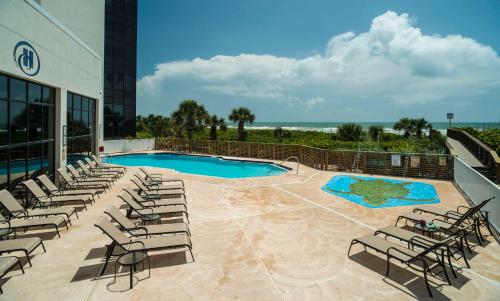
[[67, 81]]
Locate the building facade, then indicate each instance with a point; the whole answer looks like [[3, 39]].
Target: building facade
[[52, 84], [120, 68]]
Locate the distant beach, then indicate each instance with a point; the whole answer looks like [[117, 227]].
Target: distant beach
[[331, 127]]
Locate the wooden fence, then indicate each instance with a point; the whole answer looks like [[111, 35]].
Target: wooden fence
[[431, 166]]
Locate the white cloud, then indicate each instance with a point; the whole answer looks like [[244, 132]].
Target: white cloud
[[393, 63]]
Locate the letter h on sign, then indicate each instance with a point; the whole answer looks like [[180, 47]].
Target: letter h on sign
[[28, 58]]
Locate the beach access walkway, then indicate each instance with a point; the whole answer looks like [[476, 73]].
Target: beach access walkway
[[459, 150]]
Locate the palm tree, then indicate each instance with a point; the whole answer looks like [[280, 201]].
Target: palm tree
[[191, 116], [215, 122], [405, 124], [375, 131], [176, 124], [157, 125], [241, 115], [350, 132], [421, 124]]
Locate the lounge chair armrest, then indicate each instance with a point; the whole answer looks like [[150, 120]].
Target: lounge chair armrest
[[422, 241], [19, 213], [398, 251], [462, 207], [131, 243], [140, 229], [147, 209]]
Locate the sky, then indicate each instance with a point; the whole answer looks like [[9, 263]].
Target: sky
[[321, 60]]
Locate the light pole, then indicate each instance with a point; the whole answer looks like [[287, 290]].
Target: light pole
[[450, 117]]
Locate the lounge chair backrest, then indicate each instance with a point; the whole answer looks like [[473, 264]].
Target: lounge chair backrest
[[47, 183], [139, 184], [83, 166], [65, 175], [10, 202], [130, 201], [148, 176], [134, 195], [73, 171], [143, 180], [117, 216], [112, 231], [90, 162], [95, 158], [35, 189], [470, 212]]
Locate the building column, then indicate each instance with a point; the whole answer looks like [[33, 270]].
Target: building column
[[61, 123]]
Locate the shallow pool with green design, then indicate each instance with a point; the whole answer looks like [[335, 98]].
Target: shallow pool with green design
[[381, 192]]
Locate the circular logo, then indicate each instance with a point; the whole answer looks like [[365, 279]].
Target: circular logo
[[26, 58]]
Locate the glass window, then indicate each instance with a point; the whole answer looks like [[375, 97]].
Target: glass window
[[3, 86], [108, 109], [69, 101], [35, 123], [34, 92], [4, 164], [48, 156], [77, 102], [69, 122], [17, 89], [48, 123], [77, 122], [18, 122], [48, 95], [34, 158], [85, 123], [4, 130], [17, 162], [85, 103], [118, 109]]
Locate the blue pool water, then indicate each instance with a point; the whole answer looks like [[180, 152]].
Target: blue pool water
[[417, 193], [200, 165]]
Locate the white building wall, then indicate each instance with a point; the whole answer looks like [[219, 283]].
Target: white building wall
[[66, 62]]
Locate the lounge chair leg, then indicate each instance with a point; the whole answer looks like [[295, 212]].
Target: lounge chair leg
[[462, 250], [191, 251], [20, 265], [444, 267], [57, 229], [69, 221], [28, 258], [43, 247], [449, 262], [388, 265], [467, 244], [109, 252], [66, 224], [425, 279], [349, 251]]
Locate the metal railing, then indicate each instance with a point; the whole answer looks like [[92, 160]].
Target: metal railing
[[431, 166], [297, 160], [478, 188]]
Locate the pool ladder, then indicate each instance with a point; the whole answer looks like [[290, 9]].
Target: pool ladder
[[296, 160]]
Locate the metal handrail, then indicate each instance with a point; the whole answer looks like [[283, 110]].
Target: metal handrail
[[292, 157]]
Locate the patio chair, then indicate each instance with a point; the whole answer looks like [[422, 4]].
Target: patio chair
[[145, 230], [26, 223], [98, 163], [96, 167], [159, 185], [54, 191], [455, 214], [174, 242], [43, 200], [157, 202], [466, 223], [156, 177], [86, 174], [85, 178], [151, 193], [106, 174], [16, 210], [149, 208], [26, 245], [406, 256], [73, 183], [6, 264]]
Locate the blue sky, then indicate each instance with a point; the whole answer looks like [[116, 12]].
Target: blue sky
[[322, 60]]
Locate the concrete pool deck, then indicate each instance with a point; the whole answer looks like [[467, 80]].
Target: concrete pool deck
[[270, 238]]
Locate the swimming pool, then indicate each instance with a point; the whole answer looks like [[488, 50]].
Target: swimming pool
[[381, 192], [200, 165]]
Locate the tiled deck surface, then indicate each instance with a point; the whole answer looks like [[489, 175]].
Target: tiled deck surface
[[273, 238]]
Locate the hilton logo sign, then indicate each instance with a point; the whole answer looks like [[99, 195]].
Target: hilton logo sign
[[26, 58]]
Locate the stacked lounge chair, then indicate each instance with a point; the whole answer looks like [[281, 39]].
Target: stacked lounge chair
[[431, 252]]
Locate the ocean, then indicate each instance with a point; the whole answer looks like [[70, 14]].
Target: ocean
[[331, 127]]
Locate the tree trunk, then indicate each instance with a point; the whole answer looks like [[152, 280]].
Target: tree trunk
[[241, 131], [213, 133]]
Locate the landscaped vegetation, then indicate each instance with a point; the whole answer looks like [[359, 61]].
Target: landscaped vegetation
[[191, 120], [490, 137]]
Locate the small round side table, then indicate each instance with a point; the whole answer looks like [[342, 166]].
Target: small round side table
[[132, 259]]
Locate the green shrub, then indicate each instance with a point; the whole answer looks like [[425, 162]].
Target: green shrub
[[350, 132]]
